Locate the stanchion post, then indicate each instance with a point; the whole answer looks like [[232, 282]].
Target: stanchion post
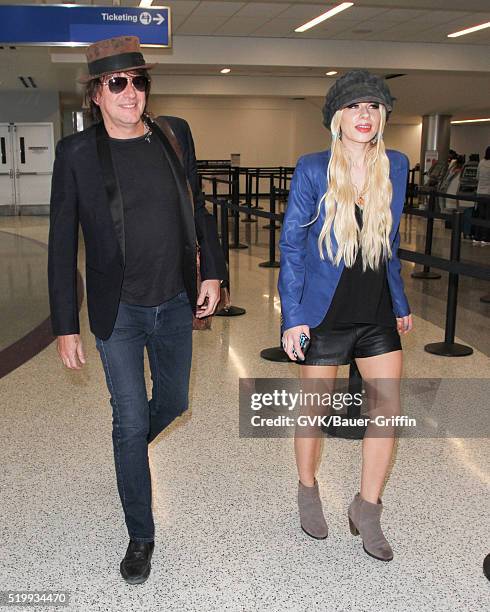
[[248, 196], [257, 187], [235, 200], [231, 311], [225, 244], [426, 273], [453, 279], [272, 222], [215, 197], [412, 190], [449, 348], [272, 263]]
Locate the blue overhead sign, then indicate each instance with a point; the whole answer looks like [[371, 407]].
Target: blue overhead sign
[[71, 25]]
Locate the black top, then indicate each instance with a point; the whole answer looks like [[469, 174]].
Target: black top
[[361, 296], [152, 223]]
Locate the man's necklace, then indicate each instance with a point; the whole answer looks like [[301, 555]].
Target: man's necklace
[[148, 132]]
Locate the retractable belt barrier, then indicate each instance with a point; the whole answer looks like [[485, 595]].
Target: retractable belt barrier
[[453, 265], [447, 348]]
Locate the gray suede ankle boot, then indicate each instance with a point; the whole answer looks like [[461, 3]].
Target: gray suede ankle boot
[[364, 518], [311, 512]]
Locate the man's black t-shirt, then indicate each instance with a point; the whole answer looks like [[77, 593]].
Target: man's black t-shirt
[[152, 223], [361, 296]]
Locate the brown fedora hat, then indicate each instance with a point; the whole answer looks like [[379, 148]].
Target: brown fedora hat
[[118, 54]]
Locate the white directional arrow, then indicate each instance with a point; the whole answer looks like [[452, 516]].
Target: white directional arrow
[[159, 19]]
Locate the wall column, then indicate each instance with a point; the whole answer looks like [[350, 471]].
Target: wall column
[[436, 135]]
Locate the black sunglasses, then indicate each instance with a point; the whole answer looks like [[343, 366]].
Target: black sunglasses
[[117, 84]]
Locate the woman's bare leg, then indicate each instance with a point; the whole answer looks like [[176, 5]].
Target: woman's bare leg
[[308, 449], [377, 451]]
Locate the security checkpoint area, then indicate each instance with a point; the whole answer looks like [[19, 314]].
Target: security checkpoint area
[[93, 212]]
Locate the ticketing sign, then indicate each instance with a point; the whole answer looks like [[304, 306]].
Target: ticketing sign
[[73, 25]]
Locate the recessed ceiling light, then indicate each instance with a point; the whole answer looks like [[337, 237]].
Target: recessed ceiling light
[[482, 26], [331, 73], [145, 3], [225, 70], [327, 15], [472, 120]]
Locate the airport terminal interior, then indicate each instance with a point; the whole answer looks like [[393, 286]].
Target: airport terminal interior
[[228, 535]]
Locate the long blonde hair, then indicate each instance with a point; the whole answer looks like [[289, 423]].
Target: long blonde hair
[[340, 197]]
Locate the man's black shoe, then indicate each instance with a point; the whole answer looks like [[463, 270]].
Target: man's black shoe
[[136, 566]]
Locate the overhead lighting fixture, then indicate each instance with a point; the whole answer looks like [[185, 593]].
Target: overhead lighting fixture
[[472, 120], [225, 70], [331, 73], [482, 26], [327, 15], [145, 3]]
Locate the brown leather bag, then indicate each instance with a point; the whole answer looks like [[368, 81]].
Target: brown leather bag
[[164, 125]]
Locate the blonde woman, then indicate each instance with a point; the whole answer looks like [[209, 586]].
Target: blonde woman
[[340, 282]]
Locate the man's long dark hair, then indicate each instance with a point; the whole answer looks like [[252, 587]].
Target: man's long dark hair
[[92, 87]]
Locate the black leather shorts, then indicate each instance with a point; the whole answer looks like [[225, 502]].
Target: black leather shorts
[[340, 344]]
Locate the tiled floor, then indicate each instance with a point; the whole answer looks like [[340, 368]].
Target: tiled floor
[[228, 536], [24, 292]]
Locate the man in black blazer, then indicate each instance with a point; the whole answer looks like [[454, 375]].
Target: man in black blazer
[[131, 183]]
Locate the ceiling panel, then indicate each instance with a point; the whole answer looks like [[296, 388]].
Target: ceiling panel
[[470, 5], [200, 26], [239, 26], [217, 9], [177, 21], [397, 15], [426, 36], [263, 10], [439, 17], [180, 7], [444, 30], [307, 11], [278, 26], [441, 5], [467, 22], [380, 26], [404, 30], [331, 29], [391, 36], [359, 12]]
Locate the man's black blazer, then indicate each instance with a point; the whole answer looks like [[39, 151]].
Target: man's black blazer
[[85, 191]]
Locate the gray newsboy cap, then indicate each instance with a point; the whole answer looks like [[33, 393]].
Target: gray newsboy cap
[[356, 86]]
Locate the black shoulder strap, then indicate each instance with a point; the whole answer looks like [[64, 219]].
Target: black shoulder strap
[[166, 128]]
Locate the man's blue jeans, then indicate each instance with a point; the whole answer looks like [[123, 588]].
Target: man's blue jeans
[[166, 333]]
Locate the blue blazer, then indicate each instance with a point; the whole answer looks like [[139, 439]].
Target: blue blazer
[[306, 282]]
